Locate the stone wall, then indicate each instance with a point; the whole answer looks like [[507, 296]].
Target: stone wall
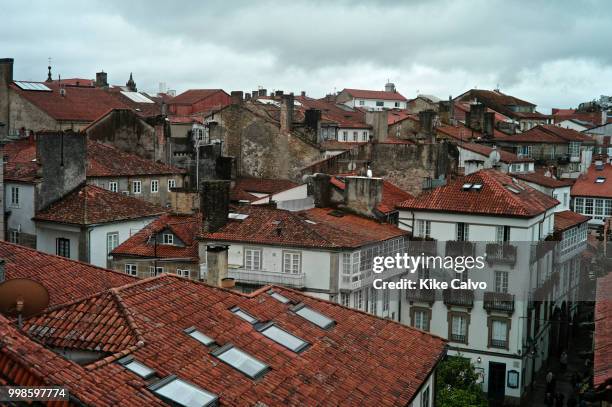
[[26, 115], [118, 263]]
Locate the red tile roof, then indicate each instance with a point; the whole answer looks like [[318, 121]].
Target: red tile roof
[[54, 272], [340, 145], [548, 133], [494, 199], [19, 151], [567, 219], [392, 195], [314, 228], [104, 160], [463, 133], [505, 156], [396, 116], [546, 181], [75, 82], [602, 365], [341, 115], [355, 362], [21, 172], [244, 186], [80, 104], [192, 96], [374, 94], [502, 103], [90, 205], [585, 185], [185, 227]]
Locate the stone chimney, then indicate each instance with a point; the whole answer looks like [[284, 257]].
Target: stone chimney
[[379, 122], [216, 261], [263, 92], [214, 204], [312, 121], [488, 124], [236, 97], [183, 200], [278, 94], [474, 119], [362, 194], [427, 119], [2, 271], [101, 80], [247, 96], [6, 78], [319, 187], [286, 113]]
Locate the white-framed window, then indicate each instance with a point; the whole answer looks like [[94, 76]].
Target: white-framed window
[[574, 149], [168, 238], [14, 236], [423, 228], [396, 104], [599, 207], [365, 136], [292, 262], [361, 102], [344, 135], [171, 184], [502, 234], [579, 205], [459, 328], [62, 247], [499, 333], [156, 271], [386, 300], [463, 232], [588, 206], [137, 187], [252, 259], [345, 299], [421, 319], [501, 281], [112, 241], [524, 151], [154, 186], [358, 299], [380, 103], [15, 197], [425, 398], [350, 267], [112, 186], [354, 136], [182, 273], [373, 301], [131, 269]]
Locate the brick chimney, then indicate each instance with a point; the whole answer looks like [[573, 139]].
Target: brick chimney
[[286, 113], [363, 194], [214, 204], [319, 187], [101, 80], [379, 122], [6, 78]]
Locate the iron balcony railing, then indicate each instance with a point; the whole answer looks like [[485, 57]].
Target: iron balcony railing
[[494, 301], [261, 277], [504, 253]]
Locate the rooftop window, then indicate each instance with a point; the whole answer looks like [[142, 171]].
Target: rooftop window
[[600, 180], [242, 314], [512, 189], [32, 86], [284, 338], [467, 187], [241, 361], [135, 366], [313, 316], [279, 297], [183, 393], [237, 216], [199, 336]]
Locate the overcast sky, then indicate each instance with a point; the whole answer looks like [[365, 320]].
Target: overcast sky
[[553, 53]]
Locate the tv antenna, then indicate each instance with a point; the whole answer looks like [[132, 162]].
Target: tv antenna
[[22, 297]]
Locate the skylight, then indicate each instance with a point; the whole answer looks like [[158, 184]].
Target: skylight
[[247, 317], [600, 180], [136, 97], [466, 187], [512, 189], [284, 338], [136, 367], [183, 393], [199, 336], [313, 316], [241, 361], [477, 187], [32, 86], [237, 216], [279, 297]]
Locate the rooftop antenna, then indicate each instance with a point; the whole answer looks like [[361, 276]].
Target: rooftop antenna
[[22, 297], [49, 79]]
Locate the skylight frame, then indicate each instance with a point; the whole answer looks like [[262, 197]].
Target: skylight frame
[[230, 349], [279, 297], [245, 316], [137, 367], [600, 180], [136, 97], [199, 336], [36, 86], [237, 216], [467, 186], [477, 187], [313, 316], [211, 399], [272, 327]]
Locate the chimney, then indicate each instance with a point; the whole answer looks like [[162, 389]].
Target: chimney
[[6, 78], [427, 120], [476, 117], [303, 93], [378, 121], [312, 121], [254, 94], [489, 124], [101, 81], [263, 92], [214, 204], [319, 187], [236, 97], [278, 94], [216, 261], [247, 96], [286, 113], [362, 194], [2, 271]]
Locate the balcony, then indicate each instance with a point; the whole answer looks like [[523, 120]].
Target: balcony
[[260, 277], [428, 247], [502, 302], [501, 253], [461, 298], [421, 295], [459, 248]]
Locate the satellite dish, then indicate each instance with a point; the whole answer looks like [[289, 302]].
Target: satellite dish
[[494, 156], [22, 297]]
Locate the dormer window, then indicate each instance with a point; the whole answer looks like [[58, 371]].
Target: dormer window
[[168, 238], [600, 180]]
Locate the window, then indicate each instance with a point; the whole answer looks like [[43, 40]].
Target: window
[[345, 135], [252, 259], [168, 238], [579, 205], [345, 299], [62, 247], [600, 180], [350, 267], [425, 398], [183, 393], [15, 197], [112, 186], [361, 102], [135, 366], [463, 276], [396, 104], [588, 206], [279, 297], [365, 136], [524, 151], [241, 361], [292, 262], [358, 299], [112, 241], [501, 281], [14, 236], [498, 333], [380, 103], [131, 269], [599, 207], [502, 234], [420, 318], [386, 300], [423, 228], [155, 271], [313, 316], [354, 136], [171, 184], [574, 149], [458, 328], [182, 273], [136, 187], [199, 336], [463, 232], [244, 315], [154, 186], [284, 338]]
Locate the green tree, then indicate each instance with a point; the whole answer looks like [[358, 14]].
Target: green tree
[[456, 384]]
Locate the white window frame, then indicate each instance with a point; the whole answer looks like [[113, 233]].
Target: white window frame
[[14, 197], [154, 186], [295, 262], [171, 184], [130, 269], [113, 186], [501, 281], [137, 187], [111, 245], [253, 258], [182, 272], [168, 238], [423, 228]]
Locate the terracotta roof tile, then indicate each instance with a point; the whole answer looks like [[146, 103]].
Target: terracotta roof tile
[[21, 172], [505, 156], [392, 195], [341, 115], [244, 186], [567, 219], [546, 134], [602, 365], [374, 94], [585, 185], [89, 205], [193, 95], [546, 181], [494, 199]]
